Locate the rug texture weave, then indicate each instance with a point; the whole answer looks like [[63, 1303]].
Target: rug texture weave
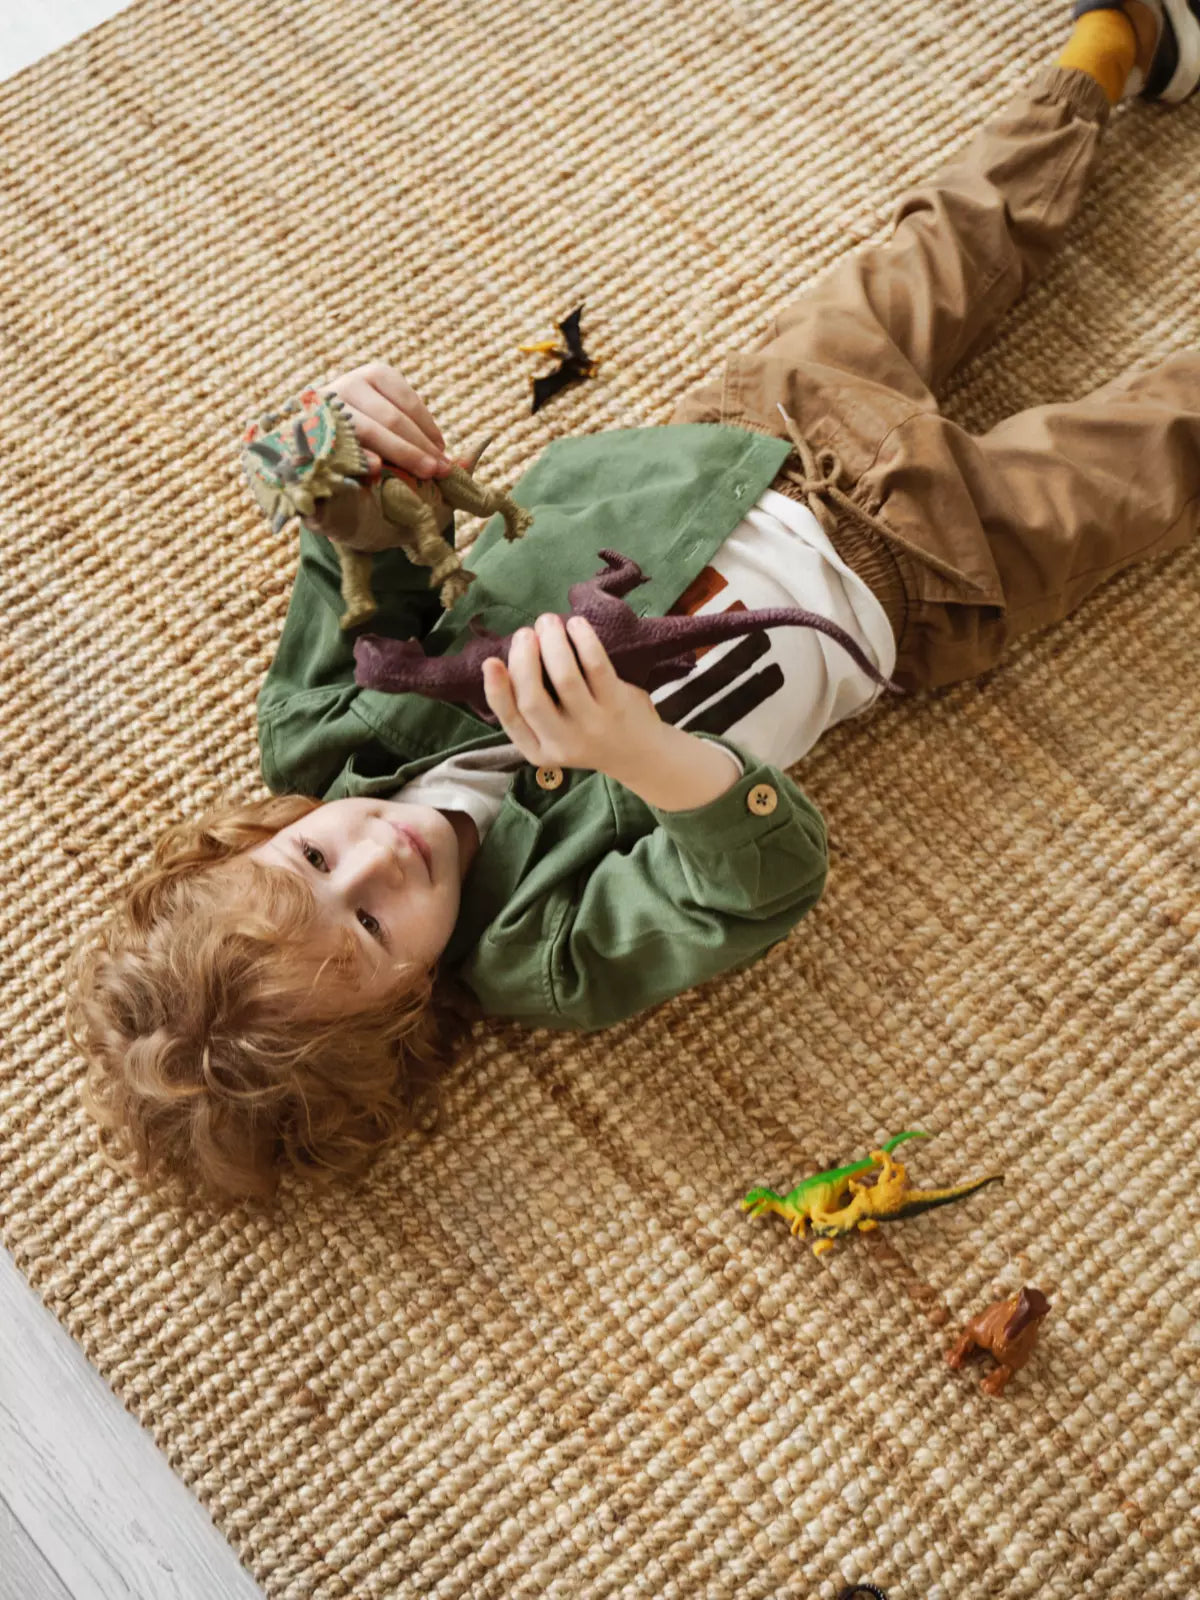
[[544, 1353]]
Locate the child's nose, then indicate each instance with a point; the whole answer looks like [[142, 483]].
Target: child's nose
[[375, 860]]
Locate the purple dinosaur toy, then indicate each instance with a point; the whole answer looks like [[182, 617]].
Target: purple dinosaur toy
[[647, 651]]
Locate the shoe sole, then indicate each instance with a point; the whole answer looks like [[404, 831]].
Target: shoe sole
[[1175, 72]]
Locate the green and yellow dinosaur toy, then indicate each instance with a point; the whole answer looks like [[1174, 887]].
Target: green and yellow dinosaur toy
[[822, 1199]]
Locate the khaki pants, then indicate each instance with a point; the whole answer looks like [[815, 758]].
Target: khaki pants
[[984, 538]]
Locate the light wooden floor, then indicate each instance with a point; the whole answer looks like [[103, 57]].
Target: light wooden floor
[[29, 31], [89, 1509]]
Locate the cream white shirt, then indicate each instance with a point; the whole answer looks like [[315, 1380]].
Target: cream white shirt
[[776, 692]]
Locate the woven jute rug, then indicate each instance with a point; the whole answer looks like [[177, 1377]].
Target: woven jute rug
[[544, 1353]]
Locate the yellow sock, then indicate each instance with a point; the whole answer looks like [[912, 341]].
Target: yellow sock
[[1104, 45]]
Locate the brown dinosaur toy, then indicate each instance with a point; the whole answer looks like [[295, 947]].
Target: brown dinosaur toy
[[1009, 1329], [306, 461], [647, 651]]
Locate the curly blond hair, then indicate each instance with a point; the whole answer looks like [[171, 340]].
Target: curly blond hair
[[223, 1049]]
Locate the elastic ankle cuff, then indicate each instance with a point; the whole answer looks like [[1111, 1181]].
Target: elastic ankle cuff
[[1070, 87]]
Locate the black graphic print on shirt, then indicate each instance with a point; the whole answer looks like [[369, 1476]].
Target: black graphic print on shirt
[[734, 671]]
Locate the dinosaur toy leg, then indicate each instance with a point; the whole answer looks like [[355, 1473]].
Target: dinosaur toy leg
[[962, 1350], [423, 541], [830, 1225], [356, 587], [995, 1381], [460, 490]]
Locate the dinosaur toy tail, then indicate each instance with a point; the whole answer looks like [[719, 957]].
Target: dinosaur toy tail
[[918, 1200], [472, 456]]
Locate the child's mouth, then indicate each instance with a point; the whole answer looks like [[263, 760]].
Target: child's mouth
[[418, 845]]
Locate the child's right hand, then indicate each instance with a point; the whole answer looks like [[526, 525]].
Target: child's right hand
[[391, 421], [600, 723]]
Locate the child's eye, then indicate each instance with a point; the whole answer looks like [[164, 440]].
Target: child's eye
[[371, 924], [308, 851]]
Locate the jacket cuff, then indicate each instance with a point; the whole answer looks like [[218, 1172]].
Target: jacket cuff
[[735, 756], [762, 801]]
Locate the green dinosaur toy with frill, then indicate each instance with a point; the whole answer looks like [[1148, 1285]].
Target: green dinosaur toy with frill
[[305, 461]]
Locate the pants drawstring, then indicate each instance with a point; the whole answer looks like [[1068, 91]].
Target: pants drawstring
[[821, 474]]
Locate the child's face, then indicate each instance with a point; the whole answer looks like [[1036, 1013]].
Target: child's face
[[388, 873]]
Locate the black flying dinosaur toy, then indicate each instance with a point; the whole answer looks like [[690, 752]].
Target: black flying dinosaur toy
[[574, 364]]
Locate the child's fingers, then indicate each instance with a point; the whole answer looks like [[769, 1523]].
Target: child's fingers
[[562, 664], [396, 389], [390, 418], [499, 694], [533, 701], [397, 440], [597, 665]]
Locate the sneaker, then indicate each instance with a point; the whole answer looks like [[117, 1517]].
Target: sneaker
[[1174, 70]]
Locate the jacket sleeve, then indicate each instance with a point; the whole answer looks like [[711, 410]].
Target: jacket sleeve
[[698, 893], [307, 727], [313, 651]]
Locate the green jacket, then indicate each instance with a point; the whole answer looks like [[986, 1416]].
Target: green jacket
[[583, 905]]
